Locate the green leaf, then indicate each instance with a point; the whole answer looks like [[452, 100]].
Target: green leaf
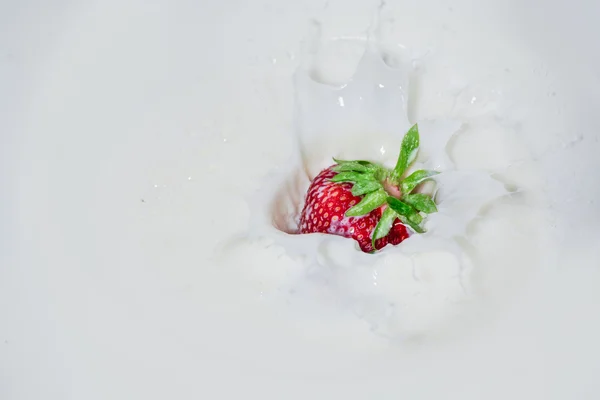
[[421, 202], [415, 227], [415, 179], [415, 218], [384, 225], [351, 176], [361, 188], [400, 207], [350, 166], [408, 153], [407, 214], [370, 202], [361, 162]]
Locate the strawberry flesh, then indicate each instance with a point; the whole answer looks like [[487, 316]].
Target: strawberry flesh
[[325, 208]]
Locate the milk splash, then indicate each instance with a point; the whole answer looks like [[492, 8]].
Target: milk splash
[[401, 290]]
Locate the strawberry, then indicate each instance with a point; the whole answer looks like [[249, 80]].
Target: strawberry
[[325, 208], [367, 202]]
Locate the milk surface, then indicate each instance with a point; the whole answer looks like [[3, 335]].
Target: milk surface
[[136, 134]]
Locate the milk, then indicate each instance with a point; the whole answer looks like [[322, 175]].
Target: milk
[[133, 134], [419, 287]]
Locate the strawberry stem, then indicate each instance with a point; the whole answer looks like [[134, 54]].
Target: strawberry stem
[[392, 189], [382, 187]]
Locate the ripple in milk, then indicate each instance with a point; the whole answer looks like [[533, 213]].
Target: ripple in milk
[[351, 104]]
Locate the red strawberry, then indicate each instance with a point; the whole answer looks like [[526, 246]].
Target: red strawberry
[[325, 208], [367, 202]]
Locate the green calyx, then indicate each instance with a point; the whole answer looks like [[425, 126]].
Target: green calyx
[[381, 186]]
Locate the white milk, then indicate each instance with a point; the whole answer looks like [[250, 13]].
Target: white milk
[[420, 286], [134, 132]]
